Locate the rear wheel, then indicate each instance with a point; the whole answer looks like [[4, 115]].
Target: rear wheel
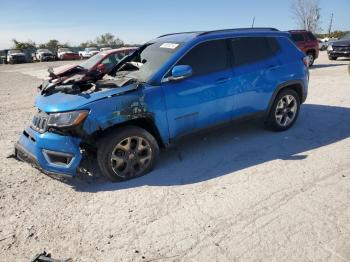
[[284, 111], [311, 57], [130, 152]]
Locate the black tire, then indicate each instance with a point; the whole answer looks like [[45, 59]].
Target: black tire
[[272, 121], [311, 56], [332, 58], [107, 146]]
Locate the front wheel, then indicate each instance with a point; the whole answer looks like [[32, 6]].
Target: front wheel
[[332, 57], [127, 153], [284, 111]]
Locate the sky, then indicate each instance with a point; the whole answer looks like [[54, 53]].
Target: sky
[[138, 21]]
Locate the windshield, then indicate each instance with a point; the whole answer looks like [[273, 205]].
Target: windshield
[[92, 49], [88, 64], [151, 59], [346, 37]]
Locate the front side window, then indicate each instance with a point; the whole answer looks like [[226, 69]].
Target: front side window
[[207, 57], [247, 50]]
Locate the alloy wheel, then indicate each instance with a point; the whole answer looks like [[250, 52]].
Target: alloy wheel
[[286, 110], [131, 157]]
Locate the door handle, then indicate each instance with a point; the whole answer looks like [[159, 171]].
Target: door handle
[[222, 80]]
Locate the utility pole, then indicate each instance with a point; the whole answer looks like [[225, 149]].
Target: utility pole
[[253, 22], [330, 26]]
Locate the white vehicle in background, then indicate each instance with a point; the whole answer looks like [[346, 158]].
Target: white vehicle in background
[[105, 49], [44, 55], [322, 45], [325, 42], [88, 52]]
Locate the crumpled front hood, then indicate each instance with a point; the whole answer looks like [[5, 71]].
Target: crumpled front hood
[[60, 102]]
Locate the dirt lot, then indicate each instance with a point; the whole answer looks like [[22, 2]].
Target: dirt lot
[[240, 193]]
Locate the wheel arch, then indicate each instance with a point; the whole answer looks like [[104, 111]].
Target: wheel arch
[[296, 85], [146, 123]]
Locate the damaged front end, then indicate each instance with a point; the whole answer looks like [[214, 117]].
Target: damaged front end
[[72, 116], [64, 130]]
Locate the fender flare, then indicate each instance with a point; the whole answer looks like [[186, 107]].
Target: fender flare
[[285, 85]]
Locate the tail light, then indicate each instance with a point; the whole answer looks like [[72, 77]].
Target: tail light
[[306, 61]]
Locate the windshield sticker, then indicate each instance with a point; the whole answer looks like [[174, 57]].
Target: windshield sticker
[[169, 45]]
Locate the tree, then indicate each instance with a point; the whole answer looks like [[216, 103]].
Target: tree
[[53, 45], [108, 39], [307, 14], [23, 45], [87, 44]]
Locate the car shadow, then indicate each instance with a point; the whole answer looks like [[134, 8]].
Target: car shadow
[[315, 66], [235, 147]]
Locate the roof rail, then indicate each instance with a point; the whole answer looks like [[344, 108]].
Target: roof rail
[[225, 30], [181, 33], [241, 29]]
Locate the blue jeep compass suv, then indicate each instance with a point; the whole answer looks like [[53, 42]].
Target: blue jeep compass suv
[[171, 86]]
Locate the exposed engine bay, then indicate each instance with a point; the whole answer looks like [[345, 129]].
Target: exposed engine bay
[[78, 83]]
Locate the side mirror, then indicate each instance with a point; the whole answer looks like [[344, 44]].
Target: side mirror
[[101, 68], [180, 72]]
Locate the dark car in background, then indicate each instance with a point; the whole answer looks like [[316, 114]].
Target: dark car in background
[[307, 43], [340, 48], [92, 69]]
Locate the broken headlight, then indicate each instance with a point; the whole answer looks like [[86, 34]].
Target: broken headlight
[[67, 119]]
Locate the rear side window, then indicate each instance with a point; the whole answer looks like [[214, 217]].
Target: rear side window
[[207, 57], [297, 37], [311, 36], [248, 50]]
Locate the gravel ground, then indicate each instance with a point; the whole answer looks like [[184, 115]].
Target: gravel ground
[[240, 193]]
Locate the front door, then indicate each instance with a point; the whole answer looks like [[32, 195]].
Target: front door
[[205, 98]]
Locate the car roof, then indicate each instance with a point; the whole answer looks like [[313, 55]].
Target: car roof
[[187, 36]]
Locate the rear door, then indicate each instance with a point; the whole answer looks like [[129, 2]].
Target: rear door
[[205, 98], [256, 73]]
